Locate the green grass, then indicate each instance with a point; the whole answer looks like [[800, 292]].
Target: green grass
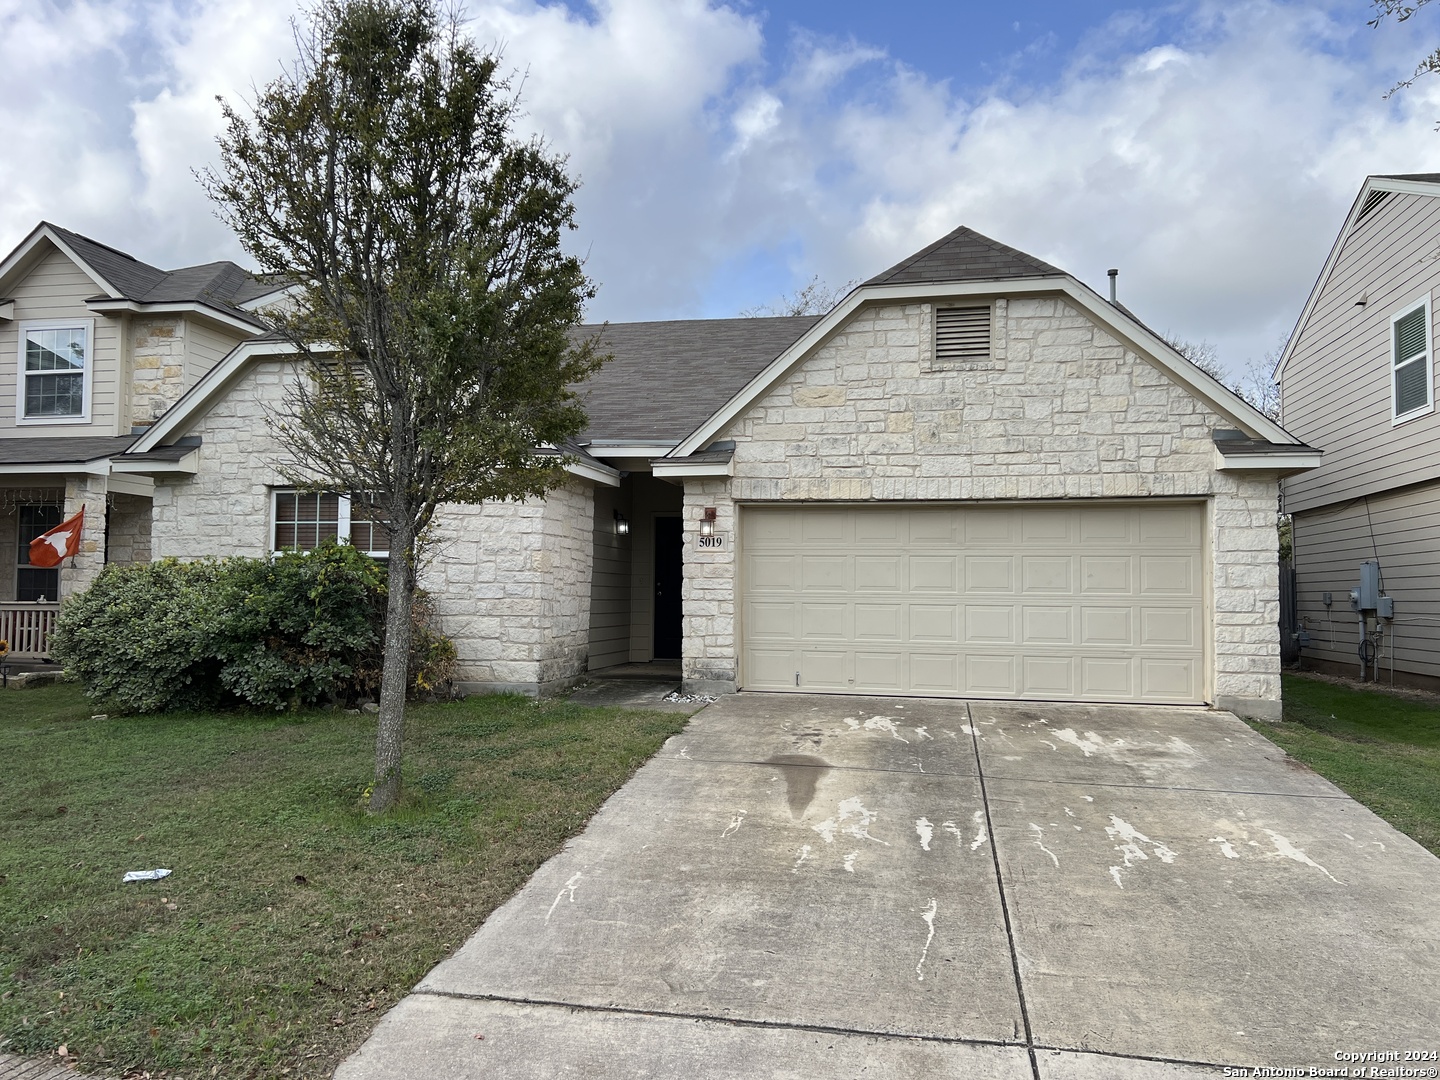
[[1382, 750], [292, 920]]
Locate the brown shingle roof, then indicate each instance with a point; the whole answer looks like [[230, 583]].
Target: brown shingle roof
[[964, 255]]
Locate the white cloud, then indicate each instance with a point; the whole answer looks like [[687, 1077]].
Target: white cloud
[[1212, 164]]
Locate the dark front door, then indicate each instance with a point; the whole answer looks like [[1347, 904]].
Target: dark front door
[[669, 565]]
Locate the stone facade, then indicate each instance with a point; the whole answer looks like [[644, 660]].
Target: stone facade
[[128, 541], [510, 581], [88, 491], [1060, 410], [157, 374]]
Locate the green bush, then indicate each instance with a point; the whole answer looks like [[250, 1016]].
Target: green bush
[[300, 628]]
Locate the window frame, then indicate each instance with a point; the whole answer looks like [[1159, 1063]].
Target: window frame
[[87, 373], [343, 525], [1426, 358], [22, 548]]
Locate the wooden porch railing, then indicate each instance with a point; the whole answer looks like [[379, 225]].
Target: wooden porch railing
[[26, 626]]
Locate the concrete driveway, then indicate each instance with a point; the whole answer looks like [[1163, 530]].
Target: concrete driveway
[[819, 887]]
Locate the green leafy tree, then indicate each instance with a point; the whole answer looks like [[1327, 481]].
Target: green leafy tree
[[1403, 11], [433, 302]]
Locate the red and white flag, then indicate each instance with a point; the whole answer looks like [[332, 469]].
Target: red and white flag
[[51, 548]]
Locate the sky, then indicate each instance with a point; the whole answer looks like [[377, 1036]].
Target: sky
[[730, 152]]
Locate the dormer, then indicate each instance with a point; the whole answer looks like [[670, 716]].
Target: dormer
[[94, 342]]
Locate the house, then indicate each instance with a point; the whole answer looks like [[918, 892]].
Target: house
[[973, 477], [94, 346], [1358, 381]]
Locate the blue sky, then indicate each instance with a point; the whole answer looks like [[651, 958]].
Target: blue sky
[[732, 151]]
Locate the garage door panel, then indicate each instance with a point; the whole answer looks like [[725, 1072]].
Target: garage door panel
[[1045, 573], [933, 573], [1101, 574], [820, 621], [935, 673], [1086, 603], [824, 573], [989, 573], [878, 622], [935, 623], [880, 671], [1048, 676], [990, 675], [1047, 625], [877, 573], [1107, 678], [990, 624], [824, 669], [1174, 574], [772, 573], [1107, 626]]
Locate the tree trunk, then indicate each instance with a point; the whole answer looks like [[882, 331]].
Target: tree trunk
[[394, 680]]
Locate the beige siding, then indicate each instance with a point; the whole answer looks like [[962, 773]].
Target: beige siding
[[610, 585], [1402, 530], [651, 498], [204, 348], [1336, 388], [57, 289]]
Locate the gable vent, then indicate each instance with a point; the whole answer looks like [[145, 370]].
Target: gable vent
[[962, 333], [1372, 202]]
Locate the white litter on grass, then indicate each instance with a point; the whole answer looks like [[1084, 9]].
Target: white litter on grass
[[144, 875]]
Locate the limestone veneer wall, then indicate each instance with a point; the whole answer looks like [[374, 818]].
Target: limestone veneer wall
[[128, 539], [157, 374], [510, 581], [1061, 410]]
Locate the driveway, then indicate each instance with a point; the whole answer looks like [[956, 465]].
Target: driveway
[[819, 887]]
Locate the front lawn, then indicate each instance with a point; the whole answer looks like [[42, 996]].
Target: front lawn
[[292, 920], [1382, 750]]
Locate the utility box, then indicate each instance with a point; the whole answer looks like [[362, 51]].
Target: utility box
[[1386, 608], [1369, 585]]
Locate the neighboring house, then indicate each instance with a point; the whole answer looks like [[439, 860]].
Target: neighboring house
[[1357, 380], [973, 477], [94, 346]]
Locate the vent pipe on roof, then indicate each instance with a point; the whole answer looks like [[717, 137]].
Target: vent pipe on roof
[[1114, 273]]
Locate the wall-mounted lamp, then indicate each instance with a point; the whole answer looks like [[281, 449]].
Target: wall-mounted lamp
[[622, 527], [707, 522]]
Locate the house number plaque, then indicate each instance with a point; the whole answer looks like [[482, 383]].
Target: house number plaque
[[714, 542]]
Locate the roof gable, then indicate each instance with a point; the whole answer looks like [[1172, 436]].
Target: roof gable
[[965, 255], [1366, 202]]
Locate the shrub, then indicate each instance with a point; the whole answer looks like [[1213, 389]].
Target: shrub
[[297, 629]]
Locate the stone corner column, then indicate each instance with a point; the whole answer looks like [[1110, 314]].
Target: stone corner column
[[77, 574]]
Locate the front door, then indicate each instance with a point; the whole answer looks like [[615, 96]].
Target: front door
[[669, 574]]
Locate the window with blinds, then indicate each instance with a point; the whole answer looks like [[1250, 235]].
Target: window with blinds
[[962, 333], [1410, 355], [304, 520]]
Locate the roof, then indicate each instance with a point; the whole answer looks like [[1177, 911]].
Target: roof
[[222, 285], [1422, 177], [965, 255], [667, 378], [62, 451]]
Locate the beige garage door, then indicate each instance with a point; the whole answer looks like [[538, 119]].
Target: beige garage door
[[1102, 603]]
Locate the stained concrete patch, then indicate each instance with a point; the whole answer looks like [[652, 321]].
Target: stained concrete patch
[[456, 1039], [698, 890], [1218, 927], [1136, 745], [915, 735]]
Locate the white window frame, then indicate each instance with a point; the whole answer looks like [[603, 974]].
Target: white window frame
[[342, 534], [1396, 417], [87, 373]]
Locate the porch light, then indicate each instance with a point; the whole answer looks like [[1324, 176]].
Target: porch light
[[707, 522], [622, 527]]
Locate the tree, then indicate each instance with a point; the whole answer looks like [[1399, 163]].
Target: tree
[[815, 298], [1254, 385], [381, 173], [1403, 10]]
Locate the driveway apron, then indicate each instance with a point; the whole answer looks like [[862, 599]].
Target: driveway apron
[[834, 887]]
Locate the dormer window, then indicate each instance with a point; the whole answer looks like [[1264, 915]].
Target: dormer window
[[54, 369]]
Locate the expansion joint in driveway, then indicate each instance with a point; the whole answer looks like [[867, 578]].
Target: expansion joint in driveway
[[710, 1018], [1004, 901]]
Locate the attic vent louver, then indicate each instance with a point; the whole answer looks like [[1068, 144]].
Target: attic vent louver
[[1372, 202], [962, 333]]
